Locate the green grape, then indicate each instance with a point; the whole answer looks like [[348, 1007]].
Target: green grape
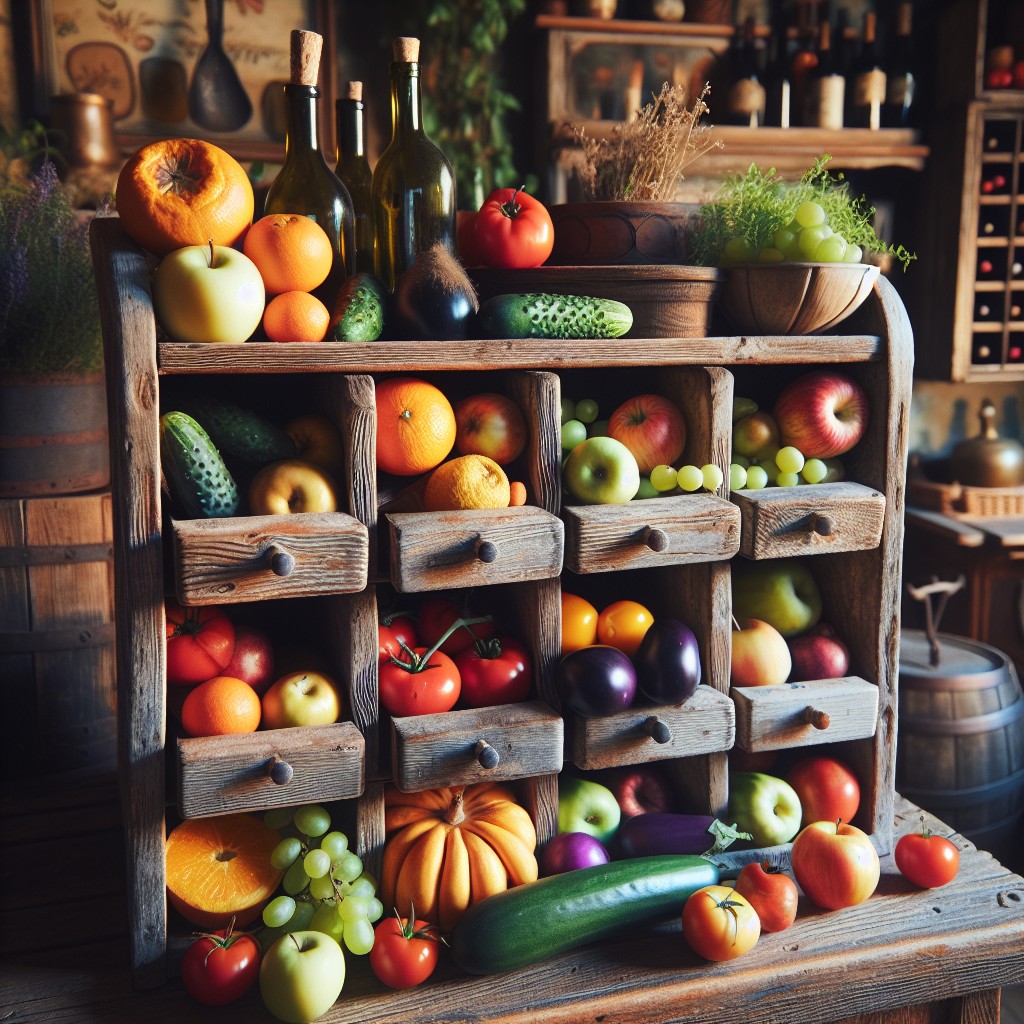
[[811, 238], [771, 255], [335, 843], [278, 912], [312, 819], [737, 477], [295, 879], [646, 489], [587, 410], [690, 478], [326, 920], [809, 214], [740, 460], [738, 250], [756, 478], [354, 908], [278, 818], [712, 476], [787, 479], [573, 432], [364, 886], [814, 471], [742, 407], [831, 250], [303, 915], [321, 888], [663, 478], [784, 240], [789, 459], [836, 470], [599, 428], [348, 867], [286, 853], [317, 863], [376, 910], [854, 253], [769, 466], [358, 936], [568, 410]]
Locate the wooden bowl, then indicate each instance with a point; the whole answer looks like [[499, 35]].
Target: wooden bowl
[[794, 298]]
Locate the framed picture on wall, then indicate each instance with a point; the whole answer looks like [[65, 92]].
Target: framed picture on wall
[[211, 69]]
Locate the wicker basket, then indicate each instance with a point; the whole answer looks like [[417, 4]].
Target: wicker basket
[[959, 500]]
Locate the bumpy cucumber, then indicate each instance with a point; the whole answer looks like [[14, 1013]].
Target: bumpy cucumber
[[200, 484], [241, 435], [531, 922], [358, 310], [541, 315]]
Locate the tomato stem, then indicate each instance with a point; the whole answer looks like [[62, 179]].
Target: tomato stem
[[510, 208], [419, 662]]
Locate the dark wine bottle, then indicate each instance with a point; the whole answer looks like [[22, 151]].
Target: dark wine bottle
[[745, 102], [868, 80], [306, 184], [827, 91], [804, 59], [413, 188], [778, 78], [354, 170], [901, 100]]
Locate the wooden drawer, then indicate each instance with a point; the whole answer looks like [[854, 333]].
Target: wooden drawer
[[810, 519], [705, 724], [486, 744], [805, 714], [278, 767]]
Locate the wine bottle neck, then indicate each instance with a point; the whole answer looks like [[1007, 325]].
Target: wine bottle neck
[[303, 134], [406, 99], [351, 135]]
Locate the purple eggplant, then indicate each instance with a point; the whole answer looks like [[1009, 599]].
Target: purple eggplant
[[596, 681], [668, 662], [663, 832]]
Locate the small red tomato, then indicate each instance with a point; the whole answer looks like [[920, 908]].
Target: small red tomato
[[417, 685], [220, 967], [404, 952], [200, 643], [719, 924], [436, 615], [497, 670], [513, 230], [771, 893], [392, 632], [927, 860]]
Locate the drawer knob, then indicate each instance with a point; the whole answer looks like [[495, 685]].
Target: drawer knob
[[655, 539], [816, 717], [822, 525], [657, 729], [281, 772], [486, 550], [281, 561], [486, 755]]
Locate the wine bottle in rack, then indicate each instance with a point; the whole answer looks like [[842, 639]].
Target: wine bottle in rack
[[868, 80], [994, 182], [354, 170], [745, 103], [827, 92], [778, 78], [991, 265], [804, 59], [901, 99]]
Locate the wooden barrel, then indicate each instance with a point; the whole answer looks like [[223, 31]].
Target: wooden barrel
[[960, 749], [57, 635]]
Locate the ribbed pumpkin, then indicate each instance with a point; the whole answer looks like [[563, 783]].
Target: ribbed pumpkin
[[449, 848]]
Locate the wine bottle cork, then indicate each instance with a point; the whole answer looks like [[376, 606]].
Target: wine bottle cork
[[406, 49], [354, 91], [305, 56]]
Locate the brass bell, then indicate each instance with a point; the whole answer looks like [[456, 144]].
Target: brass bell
[[988, 460]]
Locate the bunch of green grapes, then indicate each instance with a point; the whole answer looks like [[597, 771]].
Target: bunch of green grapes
[[580, 421], [807, 238], [325, 886], [787, 467]]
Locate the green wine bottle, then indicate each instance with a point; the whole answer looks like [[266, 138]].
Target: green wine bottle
[[354, 171], [306, 184], [413, 186]]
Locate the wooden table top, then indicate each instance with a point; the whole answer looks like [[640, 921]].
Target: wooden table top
[[970, 531]]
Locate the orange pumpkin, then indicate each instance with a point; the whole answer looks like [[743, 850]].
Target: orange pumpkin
[[180, 192], [450, 848]]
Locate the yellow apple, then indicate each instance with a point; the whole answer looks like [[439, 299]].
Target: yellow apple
[[301, 698], [318, 440], [760, 655], [292, 485]]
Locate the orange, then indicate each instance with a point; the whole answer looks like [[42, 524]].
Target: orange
[[470, 481], [517, 493], [623, 624], [291, 251], [221, 706], [182, 192], [219, 868], [295, 316], [415, 426]]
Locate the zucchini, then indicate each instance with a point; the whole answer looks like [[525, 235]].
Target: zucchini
[[536, 920], [542, 315], [358, 313], [200, 484], [240, 435]]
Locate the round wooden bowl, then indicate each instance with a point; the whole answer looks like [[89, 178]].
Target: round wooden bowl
[[794, 298]]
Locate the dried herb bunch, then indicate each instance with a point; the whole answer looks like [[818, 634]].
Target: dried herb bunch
[[643, 160], [49, 309]]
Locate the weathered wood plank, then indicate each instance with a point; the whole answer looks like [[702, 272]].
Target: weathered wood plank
[[538, 394]]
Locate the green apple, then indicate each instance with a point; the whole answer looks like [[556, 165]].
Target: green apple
[[754, 433], [587, 806], [780, 591], [208, 293], [765, 806], [301, 698], [301, 976], [602, 471], [760, 655]]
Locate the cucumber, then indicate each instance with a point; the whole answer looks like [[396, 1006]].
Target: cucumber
[[541, 315], [240, 435], [531, 922], [358, 309], [199, 482]]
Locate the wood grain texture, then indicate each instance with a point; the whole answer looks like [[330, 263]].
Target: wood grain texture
[[538, 395]]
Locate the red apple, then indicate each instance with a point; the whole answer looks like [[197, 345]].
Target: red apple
[[828, 789], [760, 655], [653, 428], [835, 865], [818, 654], [640, 789], [824, 413], [491, 425], [771, 893], [253, 660]]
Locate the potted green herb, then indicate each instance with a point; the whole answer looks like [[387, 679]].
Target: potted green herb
[[53, 418]]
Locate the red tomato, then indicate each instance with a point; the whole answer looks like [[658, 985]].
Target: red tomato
[[579, 623], [719, 924], [827, 787], [404, 954], [435, 615], [771, 893], [200, 643], [221, 967], [623, 624], [497, 670], [419, 686], [513, 230], [392, 632], [927, 860]]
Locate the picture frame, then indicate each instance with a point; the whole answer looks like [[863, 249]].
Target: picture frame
[[166, 74]]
